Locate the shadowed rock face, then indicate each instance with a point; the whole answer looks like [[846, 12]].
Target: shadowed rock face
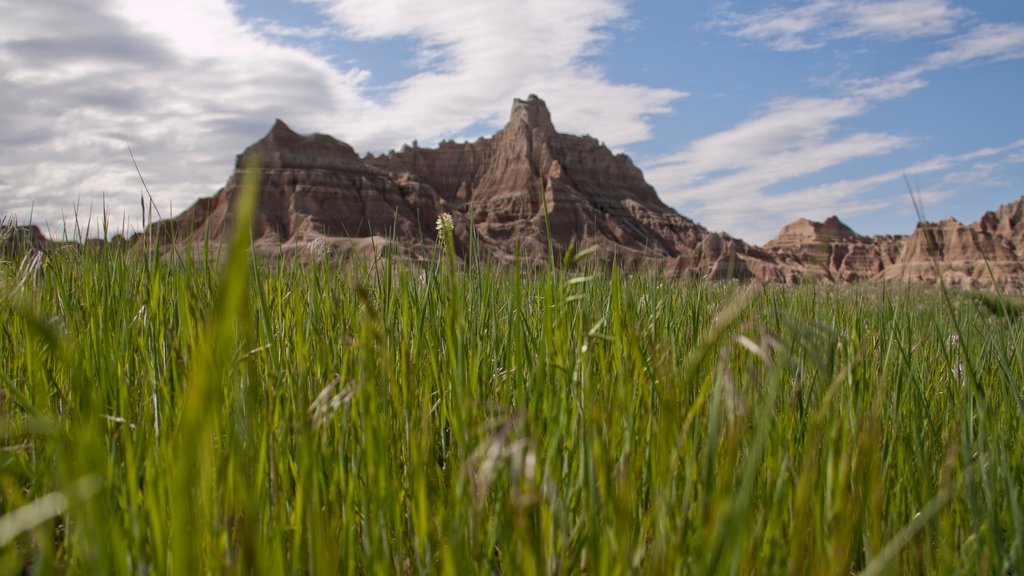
[[312, 187], [1007, 222]]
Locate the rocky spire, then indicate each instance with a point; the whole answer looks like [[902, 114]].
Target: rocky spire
[[532, 112]]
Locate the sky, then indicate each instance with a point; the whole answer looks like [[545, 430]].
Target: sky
[[743, 115]]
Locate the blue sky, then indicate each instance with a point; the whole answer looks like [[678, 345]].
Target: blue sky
[[744, 115]]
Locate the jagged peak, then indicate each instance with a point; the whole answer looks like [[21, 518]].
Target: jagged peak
[[533, 112], [283, 147], [281, 130]]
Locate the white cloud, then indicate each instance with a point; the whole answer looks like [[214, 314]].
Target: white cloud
[[189, 84], [186, 84], [737, 179], [274, 29], [782, 29], [900, 19], [743, 203], [844, 189], [889, 87], [760, 215], [783, 128], [722, 179], [979, 174], [985, 42], [477, 56], [812, 24]]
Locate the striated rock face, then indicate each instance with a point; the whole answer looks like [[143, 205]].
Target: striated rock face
[[963, 256], [1007, 222], [985, 254], [830, 251], [528, 179]]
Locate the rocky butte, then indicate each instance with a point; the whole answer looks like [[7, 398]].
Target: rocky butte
[[529, 188], [315, 193], [15, 240], [509, 190]]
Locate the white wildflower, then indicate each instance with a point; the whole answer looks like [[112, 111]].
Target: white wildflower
[[445, 222], [445, 228]]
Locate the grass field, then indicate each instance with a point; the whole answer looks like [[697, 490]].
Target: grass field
[[200, 417]]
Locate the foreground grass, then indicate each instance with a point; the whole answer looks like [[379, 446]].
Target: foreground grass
[[177, 418]]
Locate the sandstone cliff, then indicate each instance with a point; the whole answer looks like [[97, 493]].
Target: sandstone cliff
[[963, 256]]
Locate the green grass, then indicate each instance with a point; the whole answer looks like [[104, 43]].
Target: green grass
[[194, 417]]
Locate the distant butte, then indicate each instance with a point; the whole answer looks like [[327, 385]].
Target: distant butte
[[318, 196]]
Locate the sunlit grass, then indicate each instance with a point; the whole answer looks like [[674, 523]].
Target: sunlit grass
[[194, 417]]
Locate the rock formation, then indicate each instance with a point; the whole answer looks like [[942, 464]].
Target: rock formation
[[313, 188], [16, 240], [529, 191], [985, 254], [1007, 222], [526, 190], [963, 256], [528, 179], [803, 232]]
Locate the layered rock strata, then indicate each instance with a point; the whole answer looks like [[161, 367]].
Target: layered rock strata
[[523, 193], [530, 190], [313, 188], [986, 254]]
